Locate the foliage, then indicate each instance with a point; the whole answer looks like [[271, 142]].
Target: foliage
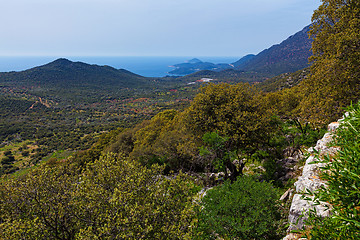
[[246, 209], [342, 174], [194, 139], [6, 163], [220, 156], [38, 206], [283, 81], [162, 141], [232, 110], [334, 80], [128, 201], [115, 198]]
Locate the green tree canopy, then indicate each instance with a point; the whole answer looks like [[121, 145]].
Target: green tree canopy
[[335, 73], [235, 111]]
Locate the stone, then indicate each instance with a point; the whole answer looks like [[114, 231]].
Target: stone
[[299, 211], [333, 126], [310, 181]]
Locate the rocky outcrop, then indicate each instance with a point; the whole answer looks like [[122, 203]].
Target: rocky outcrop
[[310, 180]]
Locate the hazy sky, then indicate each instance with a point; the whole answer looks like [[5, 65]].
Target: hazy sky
[[148, 27]]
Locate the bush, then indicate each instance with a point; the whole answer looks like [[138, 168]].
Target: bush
[[246, 209], [113, 198]]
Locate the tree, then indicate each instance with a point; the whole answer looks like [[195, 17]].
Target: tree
[[335, 75], [38, 205], [165, 140], [220, 156], [234, 111]]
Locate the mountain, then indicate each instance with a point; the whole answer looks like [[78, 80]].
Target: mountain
[[194, 60], [243, 60], [289, 56], [67, 74], [195, 65], [66, 82]]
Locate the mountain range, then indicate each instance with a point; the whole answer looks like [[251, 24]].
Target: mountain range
[[290, 55], [68, 79]]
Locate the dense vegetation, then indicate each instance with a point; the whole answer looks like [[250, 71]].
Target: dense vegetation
[[130, 164], [113, 198], [335, 76]]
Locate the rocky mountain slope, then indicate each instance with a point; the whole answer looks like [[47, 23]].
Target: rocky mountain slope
[[289, 56]]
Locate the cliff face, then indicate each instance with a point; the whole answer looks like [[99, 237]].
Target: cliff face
[[310, 180]]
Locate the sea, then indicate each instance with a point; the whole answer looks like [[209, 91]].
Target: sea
[[144, 66]]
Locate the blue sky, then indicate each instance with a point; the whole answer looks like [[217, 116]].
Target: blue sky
[[148, 27]]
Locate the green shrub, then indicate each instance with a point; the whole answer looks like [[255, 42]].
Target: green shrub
[[113, 198], [246, 209]]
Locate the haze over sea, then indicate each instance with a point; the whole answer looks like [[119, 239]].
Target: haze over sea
[[145, 66]]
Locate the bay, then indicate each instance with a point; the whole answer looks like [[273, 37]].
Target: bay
[[144, 66]]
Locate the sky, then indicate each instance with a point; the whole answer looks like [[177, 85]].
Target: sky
[[148, 27]]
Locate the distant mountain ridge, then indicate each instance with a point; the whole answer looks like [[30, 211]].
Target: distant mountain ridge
[[243, 60], [75, 82], [65, 73], [290, 55], [62, 74]]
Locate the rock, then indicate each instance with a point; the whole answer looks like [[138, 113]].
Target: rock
[[310, 180], [322, 145], [299, 211], [333, 126]]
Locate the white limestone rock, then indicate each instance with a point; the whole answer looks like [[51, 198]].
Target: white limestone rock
[[310, 180], [333, 126], [299, 211]]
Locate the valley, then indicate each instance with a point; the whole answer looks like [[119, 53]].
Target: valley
[[93, 152]]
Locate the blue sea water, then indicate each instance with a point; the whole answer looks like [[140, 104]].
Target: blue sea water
[[145, 66]]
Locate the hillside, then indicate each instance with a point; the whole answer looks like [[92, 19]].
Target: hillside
[[65, 105], [282, 81], [67, 74], [288, 56], [244, 60], [228, 75], [125, 157], [65, 81]]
